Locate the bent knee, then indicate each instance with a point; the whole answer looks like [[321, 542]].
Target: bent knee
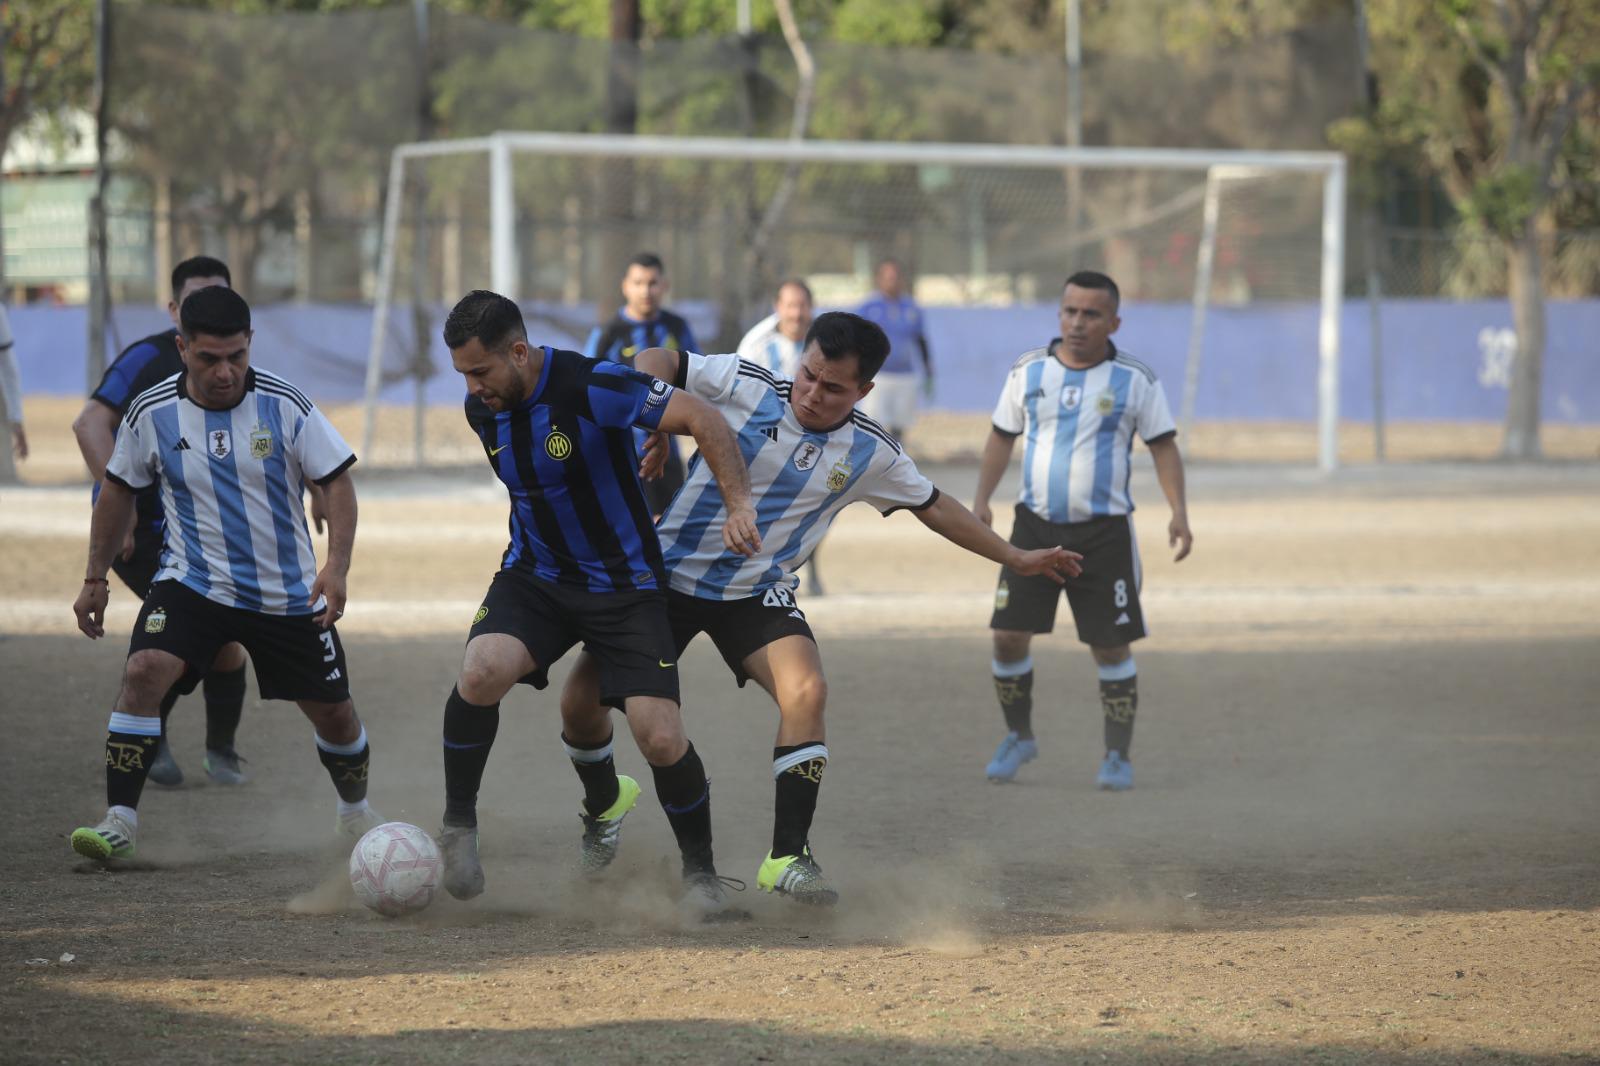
[[1011, 646]]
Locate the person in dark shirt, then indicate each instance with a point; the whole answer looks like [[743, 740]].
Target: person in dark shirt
[[644, 323], [142, 364], [583, 566]]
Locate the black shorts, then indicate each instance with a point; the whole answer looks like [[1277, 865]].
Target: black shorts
[[139, 569], [295, 659], [1104, 599], [627, 633], [737, 627]]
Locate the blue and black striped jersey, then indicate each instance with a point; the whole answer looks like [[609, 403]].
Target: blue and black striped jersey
[[566, 457], [137, 367]]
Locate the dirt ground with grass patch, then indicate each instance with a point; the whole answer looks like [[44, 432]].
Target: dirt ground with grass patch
[[1365, 827]]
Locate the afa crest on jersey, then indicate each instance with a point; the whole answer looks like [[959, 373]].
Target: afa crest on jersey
[[260, 442], [839, 476]]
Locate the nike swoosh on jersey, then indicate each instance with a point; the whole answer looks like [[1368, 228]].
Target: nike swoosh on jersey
[[497, 451]]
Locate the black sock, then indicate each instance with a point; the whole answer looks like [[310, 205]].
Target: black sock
[[169, 701], [224, 691], [469, 731], [348, 769], [685, 795], [598, 772], [1016, 702], [797, 769], [1119, 700], [128, 758]]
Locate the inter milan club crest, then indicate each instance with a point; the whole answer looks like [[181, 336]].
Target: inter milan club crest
[[558, 446], [806, 456], [1104, 402], [1071, 397], [156, 621], [219, 442], [261, 442], [839, 475]]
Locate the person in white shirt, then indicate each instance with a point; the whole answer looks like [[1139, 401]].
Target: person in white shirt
[[777, 340], [230, 448], [11, 389], [1077, 403], [810, 454]]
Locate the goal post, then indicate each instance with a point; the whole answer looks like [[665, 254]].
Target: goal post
[[496, 158]]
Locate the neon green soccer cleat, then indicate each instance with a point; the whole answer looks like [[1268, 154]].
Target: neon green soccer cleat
[[798, 877], [601, 831], [111, 839]]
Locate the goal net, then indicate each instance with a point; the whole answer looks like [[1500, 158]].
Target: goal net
[[1230, 263]]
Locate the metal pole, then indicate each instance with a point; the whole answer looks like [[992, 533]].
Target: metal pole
[[1074, 46], [1328, 327], [1371, 236], [381, 298], [502, 220], [743, 17], [1202, 298]]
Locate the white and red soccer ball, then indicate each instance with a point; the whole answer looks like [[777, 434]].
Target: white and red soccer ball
[[395, 869]]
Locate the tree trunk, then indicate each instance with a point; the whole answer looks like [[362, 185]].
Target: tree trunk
[[1527, 373], [616, 175]]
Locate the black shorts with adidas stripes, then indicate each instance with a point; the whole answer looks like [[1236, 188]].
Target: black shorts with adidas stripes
[[739, 628], [294, 657], [1104, 598]]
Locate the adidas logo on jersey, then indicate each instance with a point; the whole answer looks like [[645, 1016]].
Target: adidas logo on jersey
[[182, 445], [771, 433]]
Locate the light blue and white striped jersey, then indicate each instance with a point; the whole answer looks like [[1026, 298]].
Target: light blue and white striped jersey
[[766, 346], [799, 480], [1078, 427], [231, 485]]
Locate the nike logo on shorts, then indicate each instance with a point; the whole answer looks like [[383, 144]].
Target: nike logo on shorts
[[664, 664]]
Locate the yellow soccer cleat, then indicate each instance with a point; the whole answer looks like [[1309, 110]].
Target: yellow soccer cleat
[[798, 877], [601, 831]]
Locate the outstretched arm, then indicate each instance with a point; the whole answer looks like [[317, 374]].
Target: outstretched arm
[[1169, 473], [720, 448], [658, 363], [996, 454], [339, 500], [113, 513], [961, 527]]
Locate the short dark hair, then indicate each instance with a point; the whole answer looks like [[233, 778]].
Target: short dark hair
[[648, 260], [201, 266], [839, 334], [215, 311], [1093, 279], [796, 283], [493, 319]]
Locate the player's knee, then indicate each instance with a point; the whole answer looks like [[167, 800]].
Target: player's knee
[[804, 698], [658, 731], [148, 675], [484, 681], [1110, 655], [1011, 646], [231, 657]]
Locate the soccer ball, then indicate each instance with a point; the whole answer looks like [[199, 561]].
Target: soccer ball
[[395, 869]]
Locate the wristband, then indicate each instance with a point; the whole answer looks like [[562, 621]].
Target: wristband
[[96, 581]]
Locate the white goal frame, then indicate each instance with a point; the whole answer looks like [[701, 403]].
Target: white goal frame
[[1217, 164]]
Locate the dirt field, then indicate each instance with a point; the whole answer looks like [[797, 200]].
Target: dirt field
[[1365, 828]]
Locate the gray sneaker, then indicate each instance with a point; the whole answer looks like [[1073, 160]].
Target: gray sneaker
[[463, 873], [705, 898], [164, 769], [223, 767]]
